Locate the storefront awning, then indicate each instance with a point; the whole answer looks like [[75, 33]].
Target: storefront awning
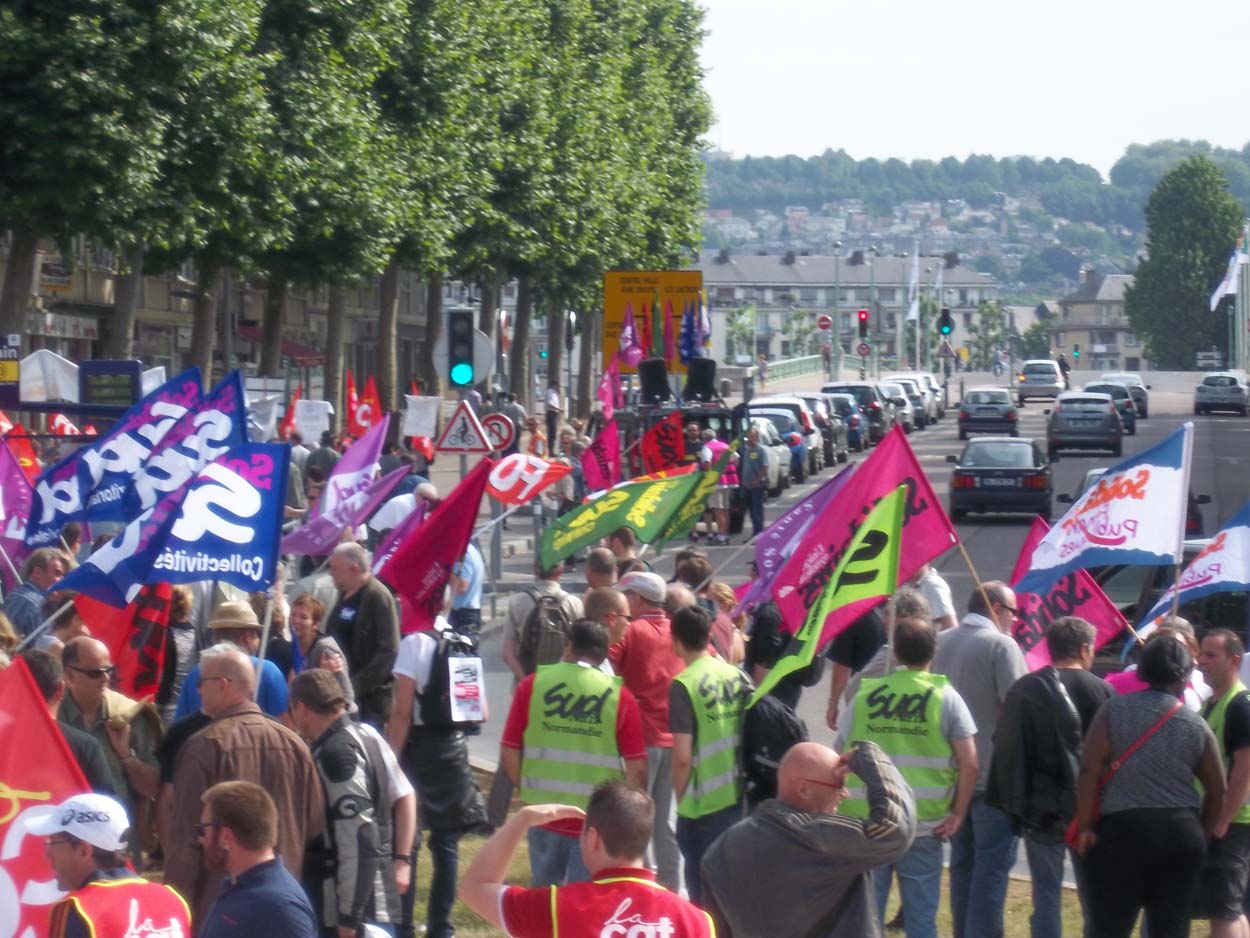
[[302, 356]]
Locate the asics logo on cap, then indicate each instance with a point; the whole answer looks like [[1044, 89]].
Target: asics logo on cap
[[73, 816]]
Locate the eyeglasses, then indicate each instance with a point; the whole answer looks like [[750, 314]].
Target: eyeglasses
[[202, 829], [94, 673], [202, 679], [1012, 609]]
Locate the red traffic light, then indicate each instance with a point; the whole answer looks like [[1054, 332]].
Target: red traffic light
[[863, 315]]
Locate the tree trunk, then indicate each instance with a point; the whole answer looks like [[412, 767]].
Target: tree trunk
[[336, 323], [388, 338], [557, 322], [271, 334], [486, 317], [204, 323], [520, 383], [125, 300], [19, 283], [591, 326], [430, 384]]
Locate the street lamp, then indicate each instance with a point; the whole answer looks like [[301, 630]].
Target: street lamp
[[836, 337]]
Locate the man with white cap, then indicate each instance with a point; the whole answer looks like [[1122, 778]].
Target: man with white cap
[[86, 847], [642, 654]]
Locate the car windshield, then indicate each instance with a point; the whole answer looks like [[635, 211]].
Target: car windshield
[[993, 454], [843, 405], [1040, 368], [783, 422], [1082, 405], [1219, 381], [1114, 390], [862, 394], [988, 397]]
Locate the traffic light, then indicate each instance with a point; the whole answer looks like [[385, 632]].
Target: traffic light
[[863, 323], [460, 370], [542, 351], [1076, 349], [946, 325]]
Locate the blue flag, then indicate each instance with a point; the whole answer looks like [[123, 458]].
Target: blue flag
[[689, 342], [224, 524], [90, 483]]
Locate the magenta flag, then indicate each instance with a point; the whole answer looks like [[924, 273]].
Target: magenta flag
[[670, 342], [1075, 594], [605, 393], [15, 499], [629, 349], [320, 535], [927, 532], [421, 563], [601, 463]]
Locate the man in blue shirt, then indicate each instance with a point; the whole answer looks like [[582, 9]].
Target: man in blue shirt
[[236, 623], [24, 606], [238, 831], [466, 593]]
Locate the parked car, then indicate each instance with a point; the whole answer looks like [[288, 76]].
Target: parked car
[[919, 400], [875, 407], [847, 407], [1132, 381], [988, 410], [1222, 390], [1123, 402], [1000, 475], [903, 412], [1084, 421], [1194, 524], [1039, 377], [829, 422], [776, 456], [792, 435], [928, 394], [806, 420], [939, 395]]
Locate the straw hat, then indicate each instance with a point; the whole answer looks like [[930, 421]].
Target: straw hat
[[234, 615]]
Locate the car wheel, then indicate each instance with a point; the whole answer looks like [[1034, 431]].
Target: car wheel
[[1052, 451], [1117, 450], [1145, 412], [1197, 410], [845, 454], [963, 435], [1020, 401], [1015, 432], [1132, 431], [1044, 515], [958, 514], [775, 492]]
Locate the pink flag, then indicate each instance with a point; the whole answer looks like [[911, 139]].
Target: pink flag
[[321, 534], [927, 532], [605, 394], [602, 460], [421, 564], [670, 343], [1076, 594], [629, 348], [15, 496]]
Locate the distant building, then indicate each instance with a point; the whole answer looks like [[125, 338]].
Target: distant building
[[1093, 319]]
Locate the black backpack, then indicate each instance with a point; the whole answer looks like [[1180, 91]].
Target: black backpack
[[435, 698], [545, 631], [769, 729]]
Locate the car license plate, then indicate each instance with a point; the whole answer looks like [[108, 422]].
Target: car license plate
[[987, 412], [999, 483]]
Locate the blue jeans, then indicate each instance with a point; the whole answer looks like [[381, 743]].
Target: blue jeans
[[555, 859], [695, 836], [1046, 871], [920, 884], [755, 507], [445, 852], [981, 857]]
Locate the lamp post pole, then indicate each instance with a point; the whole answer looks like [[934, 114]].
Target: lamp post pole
[[836, 331], [874, 311]]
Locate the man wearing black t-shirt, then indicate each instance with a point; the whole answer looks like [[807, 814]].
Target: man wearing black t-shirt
[[1037, 757], [365, 623], [1222, 885]]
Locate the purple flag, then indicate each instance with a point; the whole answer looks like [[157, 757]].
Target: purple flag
[[629, 350], [396, 535], [15, 498], [319, 536], [354, 471], [777, 542]]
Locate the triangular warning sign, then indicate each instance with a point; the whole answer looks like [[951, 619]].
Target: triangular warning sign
[[463, 433]]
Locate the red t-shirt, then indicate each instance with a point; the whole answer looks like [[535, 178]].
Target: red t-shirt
[[628, 735], [617, 903], [645, 659]]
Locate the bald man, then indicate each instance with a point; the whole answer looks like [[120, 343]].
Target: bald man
[[828, 859], [240, 744]]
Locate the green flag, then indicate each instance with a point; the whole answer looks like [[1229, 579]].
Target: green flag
[[691, 510], [646, 507], [868, 569]]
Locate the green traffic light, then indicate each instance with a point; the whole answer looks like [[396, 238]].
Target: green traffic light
[[946, 329], [542, 354], [462, 374]]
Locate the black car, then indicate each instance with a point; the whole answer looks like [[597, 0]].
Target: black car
[[1000, 475], [878, 411], [988, 410]]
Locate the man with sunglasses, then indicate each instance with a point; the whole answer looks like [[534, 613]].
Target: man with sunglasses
[[86, 848], [982, 662]]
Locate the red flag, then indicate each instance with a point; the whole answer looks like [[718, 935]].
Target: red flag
[[62, 425], [1077, 594], [670, 342], [421, 565], [353, 405], [135, 637], [288, 419], [37, 771], [648, 347], [370, 410], [23, 452], [601, 462], [662, 445], [928, 532], [518, 478]]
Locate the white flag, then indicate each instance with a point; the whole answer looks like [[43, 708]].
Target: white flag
[[421, 415], [1232, 277], [913, 291]]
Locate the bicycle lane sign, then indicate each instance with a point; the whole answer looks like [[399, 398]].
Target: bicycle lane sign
[[463, 433]]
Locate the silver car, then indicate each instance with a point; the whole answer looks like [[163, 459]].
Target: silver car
[[919, 397], [928, 393], [1132, 381], [1222, 390], [903, 412], [1040, 377], [1081, 420]]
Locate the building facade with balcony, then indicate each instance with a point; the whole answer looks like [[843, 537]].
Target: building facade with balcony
[[1093, 320]]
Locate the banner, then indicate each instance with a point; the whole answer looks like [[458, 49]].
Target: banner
[[1076, 594], [312, 419], [1134, 515], [1223, 566], [929, 531], [421, 415], [224, 524], [645, 507], [601, 463], [421, 564], [29, 786], [15, 502], [354, 470], [92, 482], [663, 446], [641, 296], [520, 478], [867, 573], [209, 428], [319, 535], [135, 636]]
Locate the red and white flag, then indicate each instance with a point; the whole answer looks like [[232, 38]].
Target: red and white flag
[[601, 463], [520, 478], [62, 426], [288, 419]]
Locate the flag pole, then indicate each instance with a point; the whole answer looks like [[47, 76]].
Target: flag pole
[[264, 637], [715, 573], [976, 579], [43, 627], [479, 531], [891, 620], [9, 563]]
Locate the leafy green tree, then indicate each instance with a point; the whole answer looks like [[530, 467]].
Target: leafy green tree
[[988, 334], [1035, 342], [800, 327], [1193, 223], [739, 333], [930, 308], [991, 264]]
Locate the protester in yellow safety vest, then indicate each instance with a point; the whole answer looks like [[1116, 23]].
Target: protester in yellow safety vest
[[86, 847], [1222, 885], [705, 708], [924, 726], [569, 728]]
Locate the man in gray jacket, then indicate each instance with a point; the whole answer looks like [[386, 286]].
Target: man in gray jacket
[[827, 859]]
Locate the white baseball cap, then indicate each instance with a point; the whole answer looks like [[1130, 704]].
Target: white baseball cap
[[95, 819]]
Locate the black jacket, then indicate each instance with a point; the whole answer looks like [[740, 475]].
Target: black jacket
[[1037, 756]]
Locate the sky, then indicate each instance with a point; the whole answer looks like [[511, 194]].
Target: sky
[[917, 80]]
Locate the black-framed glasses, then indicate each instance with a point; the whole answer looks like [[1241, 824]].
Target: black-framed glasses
[[94, 673], [1012, 609]]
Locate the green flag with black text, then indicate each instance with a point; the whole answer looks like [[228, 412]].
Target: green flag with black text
[[692, 509]]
